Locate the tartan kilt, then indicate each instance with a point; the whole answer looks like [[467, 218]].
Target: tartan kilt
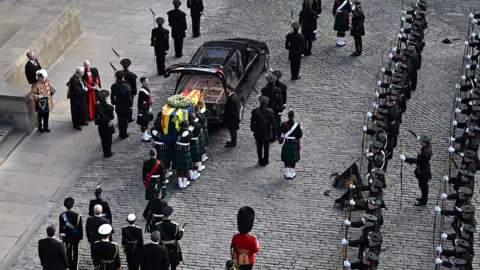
[[183, 161], [201, 142], [341, 23], [149, 192], [195, 150], [165, 155], [290, 152], [205, 136]]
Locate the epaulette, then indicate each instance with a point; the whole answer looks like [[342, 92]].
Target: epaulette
[[174, 223], [96, 242], [114, 243]]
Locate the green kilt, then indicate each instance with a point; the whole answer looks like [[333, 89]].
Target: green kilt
[[341, 22], [205, 136], [183, 161], [150, 191], [290, 152], [165, 154], [195, 150], [201, 142]]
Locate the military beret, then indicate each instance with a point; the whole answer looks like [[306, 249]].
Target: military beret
[[463, 243], [277, 73], [465, 190], [378, 171], [398, 74], [421, 4], [296, 25], [424, 138], [271, 78], [416, 34], [125, 62], [392, 98], [375, 201], [468, 228], [467, 209], [120, 74], [377, 145], [467, 173], [472, 117], [167, 211], [160, 20], [370, 218], [372, 256], [459, 262], [375, 237], [103, 93], [469, 154], [308, 2], [377, 183], [382, 111], [177, 3], [263, 99]]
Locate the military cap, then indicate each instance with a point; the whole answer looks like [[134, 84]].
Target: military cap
[[308, 2], [468, 228], [374, 201], [103, 93], [459, 262], [463, 243], [465, 191], [131, 217], [271, 78], [415, 33], [379, 125], [372, 256], [277, 73], [472, 117], [424, 138], [467, 209], [68, 202], [160, 20], [125, 62], [167, 211], [397, 74], [296, 25], [382, 111], [177, 3], [469, 154], [105, 229], [476, 91], [370, 218], [378, 171], [375, 237], [467, 173], [377, 183], [263, 99], [377, 145], [120, 74]]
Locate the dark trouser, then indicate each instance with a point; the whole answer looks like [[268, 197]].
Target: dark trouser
[[72, 255], [413, 82], [178, 44], [196, 26], [263, 148], [295, 66], [308, 43], [419, 61], [122, 124], [423, 184], [233, 135], [174, 265], [130, 117], [132, 260], [340, 34], [160, 58], [106, 140], [278, 119], [43, 116], [246, 267], [358, 44]]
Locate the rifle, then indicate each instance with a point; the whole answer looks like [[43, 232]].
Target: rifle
[[154, 16], [114, 69], [115, 52]]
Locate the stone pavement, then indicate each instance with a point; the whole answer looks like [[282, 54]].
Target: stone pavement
[[300, 228]]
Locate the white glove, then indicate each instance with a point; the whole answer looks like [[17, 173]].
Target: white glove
[[140, 114], [185, 134], [463, 76], [457, 110], [346, 264], [438, 261], [451, 149], [452, 139], [346, 222], [352, 202], [467, 67], [394, 49], [458, 99], [375, 105], [182, 229], [154, 133], [166, 52], [364, 128], [86, 89], [390, 56], [40, 96], [377, 94], [438, 209], [470, 103], [383, 70], [439, 250], [445, 178], [369, 114], [454, 123], [402, 157], [352, 186], [444, 196], [369, 154], [467, 130], [191, 128], [315, 31], [344, 241], [444, 235], [458, 209]]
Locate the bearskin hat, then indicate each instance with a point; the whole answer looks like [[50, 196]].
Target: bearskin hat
[[245, 219]]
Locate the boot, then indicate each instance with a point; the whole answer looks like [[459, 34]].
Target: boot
[[360, 47], [200, 166], [186, 183], [180, 182]]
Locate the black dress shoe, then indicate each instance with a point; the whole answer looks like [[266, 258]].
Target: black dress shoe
[[298, 78], [230, 145], [78, 128], [124, 137], [420, 204], [419, 199], [85, 124], [229, 142], [41, 130], [47, 129], [111, 155], [354, 54]]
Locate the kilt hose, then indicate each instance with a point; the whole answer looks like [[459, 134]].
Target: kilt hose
[[290, 152], [183, 161], [196, 156], [341, 22]]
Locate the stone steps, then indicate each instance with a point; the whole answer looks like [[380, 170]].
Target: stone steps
[[9, 139]]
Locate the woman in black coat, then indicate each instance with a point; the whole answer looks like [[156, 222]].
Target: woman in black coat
[[357, 30]]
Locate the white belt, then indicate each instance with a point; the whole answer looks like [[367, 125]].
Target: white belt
[[155, 176], [290, 138], [195, 139], [160, 143], [155, 215], [279, 113], [183, 144]]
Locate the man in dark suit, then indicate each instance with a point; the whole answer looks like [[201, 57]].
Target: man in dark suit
[[263, 126], [93, 224], [31, 68], [177, 20], [52, 252], [71, 231], [78, 99], [154, 256], [231, 117], [106, 212], [132, 242], [121, 98], [196, 11]]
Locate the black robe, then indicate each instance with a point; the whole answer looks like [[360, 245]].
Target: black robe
[[78, 100]]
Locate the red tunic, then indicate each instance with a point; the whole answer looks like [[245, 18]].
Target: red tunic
[[91, 99], [245, 247]]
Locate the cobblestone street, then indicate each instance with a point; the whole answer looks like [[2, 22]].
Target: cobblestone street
[[301, 229]]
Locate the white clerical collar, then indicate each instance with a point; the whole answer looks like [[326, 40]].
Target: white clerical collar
[[33, 62], [155, 243], [52, 237]]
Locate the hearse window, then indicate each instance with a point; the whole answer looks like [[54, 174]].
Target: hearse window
[[234, 70], [211, 56]]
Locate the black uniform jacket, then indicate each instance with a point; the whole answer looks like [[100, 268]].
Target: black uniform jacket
[[423, 163], [177, 20], [294, 43], [148, 166], [104, 118], [77, 90], [262, 122], [52, 253], [159, 39], [91, 228], [308, 20], [275, 97], [284, 91], [106, 254], [196, 8], [154, 257], [105, 207], [120, 97], [155, 207], [132, 238], [131, 79], [231, 115], [71, 225]]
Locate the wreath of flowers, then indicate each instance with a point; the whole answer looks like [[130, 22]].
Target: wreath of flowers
[[179, 101]]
